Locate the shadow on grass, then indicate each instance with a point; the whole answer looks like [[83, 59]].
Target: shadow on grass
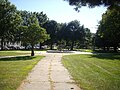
[[106, 56], [17, 58], [110, 51]]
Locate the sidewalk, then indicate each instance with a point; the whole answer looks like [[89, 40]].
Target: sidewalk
[[49, 74]]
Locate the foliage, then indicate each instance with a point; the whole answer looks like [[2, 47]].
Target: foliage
[[9, 21], [88, 38], [109, 29], [74, 35], [42, 18], [52, 29], [75, 32], [92, 3], [26, 16], [30, 32], [34, 34], [94, 72], [16, 26]]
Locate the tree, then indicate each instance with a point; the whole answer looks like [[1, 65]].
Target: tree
[[42, 19], [21, 35], [28, 19], [61, 36], [52, 29], [92, 3], [26, 15], [31, 32], [9, 21], [74, 32], [109, 28], [88, 38], [99, 39], [34, 34]]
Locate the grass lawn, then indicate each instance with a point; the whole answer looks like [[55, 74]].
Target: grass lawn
[[94, 72], [13, 53], [14, 70], [86, 50]]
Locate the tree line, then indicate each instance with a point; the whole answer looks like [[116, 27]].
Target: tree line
[[67, 35], [108, 33], [31, 28]]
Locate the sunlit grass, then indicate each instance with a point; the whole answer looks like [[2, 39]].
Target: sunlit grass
[[14, 70], [94, 72], [19, 52], [13, 53], [86, 50]]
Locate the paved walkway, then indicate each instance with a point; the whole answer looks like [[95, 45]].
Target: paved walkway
[[49, 74]]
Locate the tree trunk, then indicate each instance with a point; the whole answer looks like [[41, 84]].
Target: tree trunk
[[2, 43], [25, 47], [51, 46], [104, 48], [72, 45], [108, 48], [40, 46], [115, 48], [32, 51]]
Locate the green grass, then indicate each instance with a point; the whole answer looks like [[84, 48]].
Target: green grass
[[94, 72], [86, 50], [14, 70], [13, 53]]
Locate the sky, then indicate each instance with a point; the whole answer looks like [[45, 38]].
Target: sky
[[61, 11]]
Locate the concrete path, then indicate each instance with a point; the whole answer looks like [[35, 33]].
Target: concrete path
[[49, 74]]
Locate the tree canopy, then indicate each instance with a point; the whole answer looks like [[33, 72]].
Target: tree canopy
[[52, 29], [31, 31], [73, 34], [109, 29], [92, 3], [31, 28], [34, 34], [9, 21]]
